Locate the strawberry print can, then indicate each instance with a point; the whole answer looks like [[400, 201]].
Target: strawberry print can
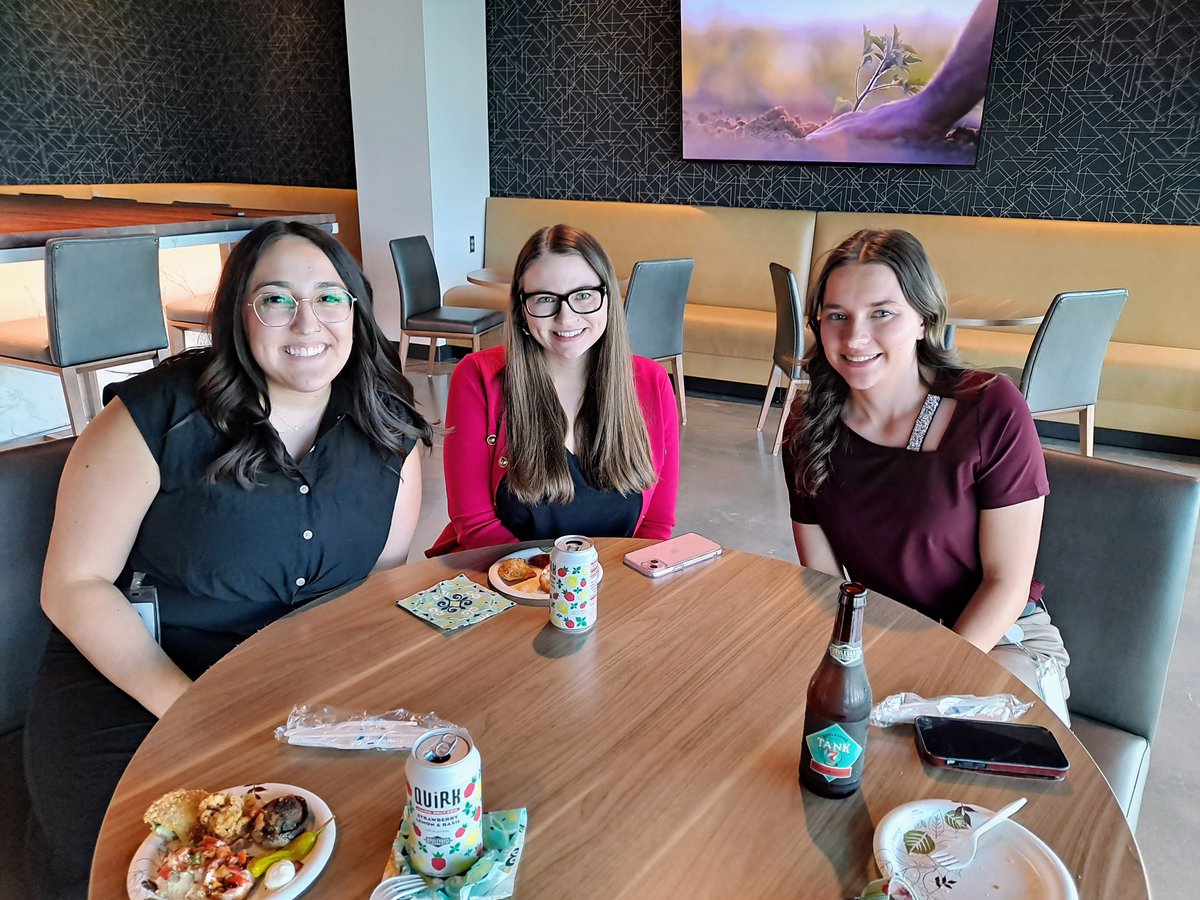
[[573, 585], [445, 803]]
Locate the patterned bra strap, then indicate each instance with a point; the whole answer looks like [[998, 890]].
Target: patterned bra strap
[[924, 418]]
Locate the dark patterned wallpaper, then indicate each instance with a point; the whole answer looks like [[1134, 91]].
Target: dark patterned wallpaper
[[175, 90], [1093, 112]]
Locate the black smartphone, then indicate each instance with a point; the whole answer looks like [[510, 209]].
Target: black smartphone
[[1001, 748]]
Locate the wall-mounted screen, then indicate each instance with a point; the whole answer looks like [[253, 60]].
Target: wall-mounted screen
[[835, 81]]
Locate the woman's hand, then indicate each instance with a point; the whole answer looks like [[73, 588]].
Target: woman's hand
[[1008, 545], [107, 485]]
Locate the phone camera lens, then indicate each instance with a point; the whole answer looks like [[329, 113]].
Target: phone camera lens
[[656, 563]]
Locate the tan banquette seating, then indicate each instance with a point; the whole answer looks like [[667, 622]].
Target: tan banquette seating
[[729, 322], [1151, 377]]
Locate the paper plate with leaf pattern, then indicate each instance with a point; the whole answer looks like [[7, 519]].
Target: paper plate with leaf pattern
[[1011, 862]]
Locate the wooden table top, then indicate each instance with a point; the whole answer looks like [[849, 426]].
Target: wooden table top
[[992, 312], [29, 220], [657, 755], [490, 277]]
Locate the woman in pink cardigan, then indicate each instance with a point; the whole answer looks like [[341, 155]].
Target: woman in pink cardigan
[[562, 430]]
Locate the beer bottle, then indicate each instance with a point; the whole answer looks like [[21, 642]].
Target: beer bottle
[[838, 705]]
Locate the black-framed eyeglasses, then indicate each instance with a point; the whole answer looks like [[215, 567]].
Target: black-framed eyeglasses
[[278, 308], [544, 304]]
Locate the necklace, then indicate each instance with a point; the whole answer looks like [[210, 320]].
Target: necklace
[[295, 429]]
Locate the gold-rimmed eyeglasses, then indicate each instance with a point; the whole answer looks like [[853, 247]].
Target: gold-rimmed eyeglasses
[[278, 308]]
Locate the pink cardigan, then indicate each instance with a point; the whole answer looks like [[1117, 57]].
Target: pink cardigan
[[475, 451]]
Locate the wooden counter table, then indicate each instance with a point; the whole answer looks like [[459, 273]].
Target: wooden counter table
[[657, 756], [27, 221]]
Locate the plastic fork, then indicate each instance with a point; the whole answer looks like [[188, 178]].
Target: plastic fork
[[398, 887], [959, 852]]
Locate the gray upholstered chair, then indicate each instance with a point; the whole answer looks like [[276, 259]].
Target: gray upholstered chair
[[654, 303], [28, 484], [790, 344], [1117, 542], [1062, 370], [421, 310], [103, 309]]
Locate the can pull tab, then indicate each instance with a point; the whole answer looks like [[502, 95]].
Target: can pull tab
[[440, 752]]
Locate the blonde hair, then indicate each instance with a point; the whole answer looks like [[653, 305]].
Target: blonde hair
[[611, 442]]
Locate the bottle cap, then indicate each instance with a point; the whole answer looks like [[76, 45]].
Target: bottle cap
[[853, 594]]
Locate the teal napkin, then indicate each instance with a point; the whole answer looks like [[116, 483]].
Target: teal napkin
[[494, 874], [455, 603]]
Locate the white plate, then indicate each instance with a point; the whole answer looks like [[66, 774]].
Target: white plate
[[150, 854], [534, 598], [1011, 862]]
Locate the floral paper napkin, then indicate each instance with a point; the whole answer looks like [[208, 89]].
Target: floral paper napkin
[[455, 603]]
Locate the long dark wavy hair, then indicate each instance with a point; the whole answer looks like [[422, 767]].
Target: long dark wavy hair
[[610, 432], [232, 390], [815, 426]]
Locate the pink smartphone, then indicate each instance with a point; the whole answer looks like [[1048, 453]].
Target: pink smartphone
[[672, 555]]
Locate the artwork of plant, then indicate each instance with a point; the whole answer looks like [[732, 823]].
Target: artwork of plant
[[888, 60]]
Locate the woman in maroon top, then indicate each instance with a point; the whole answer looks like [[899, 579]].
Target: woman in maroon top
[[921, 479]]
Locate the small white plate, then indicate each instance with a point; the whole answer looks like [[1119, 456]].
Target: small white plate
[[150, 854], [532, 598], [1011, 862]]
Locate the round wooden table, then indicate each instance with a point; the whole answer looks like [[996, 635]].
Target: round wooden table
[[490, 277], [503, 278], [991, 312], [657, 755]]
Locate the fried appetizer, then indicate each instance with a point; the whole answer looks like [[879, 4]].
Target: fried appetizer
[[540, 561], [227, 816], [516, 569], [175, 816], [544, 580]]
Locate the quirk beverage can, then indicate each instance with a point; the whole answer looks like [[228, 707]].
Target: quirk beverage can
[[445, 800], [574, 590]]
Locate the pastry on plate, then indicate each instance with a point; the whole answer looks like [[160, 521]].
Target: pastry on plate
[[516, 569]]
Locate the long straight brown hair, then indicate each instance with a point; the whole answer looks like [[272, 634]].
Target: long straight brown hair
[[611, 442]]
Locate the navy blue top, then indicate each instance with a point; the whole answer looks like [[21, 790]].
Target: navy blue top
[[227, 561], [593, 512]]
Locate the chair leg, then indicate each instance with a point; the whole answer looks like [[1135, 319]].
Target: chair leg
[[73, 394], [475, 340], [89, 378], [432, 354], [403, 350], [678, 366], [787, 405], [175, 339], [1087, 430], [774, 380]]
